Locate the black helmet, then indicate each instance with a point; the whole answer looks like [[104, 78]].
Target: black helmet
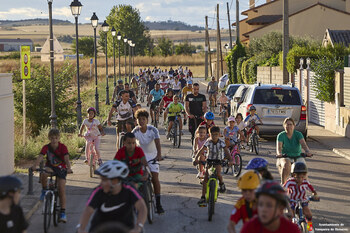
[[9, 184], [299, 167], [274, 190]]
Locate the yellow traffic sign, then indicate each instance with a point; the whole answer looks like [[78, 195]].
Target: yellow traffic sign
[[25, 62]]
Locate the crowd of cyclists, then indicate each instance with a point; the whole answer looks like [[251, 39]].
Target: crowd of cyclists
[[173, 93]]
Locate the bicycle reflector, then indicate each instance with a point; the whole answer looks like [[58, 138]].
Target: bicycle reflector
[[303, 112]]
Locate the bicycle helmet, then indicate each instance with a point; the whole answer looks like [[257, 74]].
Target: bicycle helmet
[[257, 164], [189, 82], [249, 180], [274, 190], [299, 167], [252, 108], [9, 184], [120, 81], [209, 116], [231, 118], [113, 169], [91, 109]]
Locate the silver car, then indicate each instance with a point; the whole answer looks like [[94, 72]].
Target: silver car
[[273, 104], [238, 98]]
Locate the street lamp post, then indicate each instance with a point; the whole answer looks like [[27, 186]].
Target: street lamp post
[[119, 37], [94, 23], [129, 43], [133, 57], [53, 116], [75, 7], [125, 41], [114, 32], [105, 28]]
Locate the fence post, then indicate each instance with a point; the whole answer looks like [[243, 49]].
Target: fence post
[[301, 77], [30, 182], [308, 61]]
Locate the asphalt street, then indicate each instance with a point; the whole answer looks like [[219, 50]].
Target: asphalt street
[[328, 173]]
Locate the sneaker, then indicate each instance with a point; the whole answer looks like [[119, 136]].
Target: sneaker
[[185, 121], [201, 176], [62, 218], [202, 202], [168, 135], [198, 175], [152, 122], [42, 195], [222, 188], [86, 161], [99, 162], [160, 209]]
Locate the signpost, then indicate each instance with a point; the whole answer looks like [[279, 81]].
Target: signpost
[[25, 74]]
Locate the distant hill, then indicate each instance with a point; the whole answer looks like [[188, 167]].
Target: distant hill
[[171, 25], [28, 22]]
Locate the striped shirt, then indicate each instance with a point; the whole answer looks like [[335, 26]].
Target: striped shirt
[[215, 149], [296, 191]]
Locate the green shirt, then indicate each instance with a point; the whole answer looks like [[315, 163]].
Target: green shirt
[[175, 108], [292, 146]]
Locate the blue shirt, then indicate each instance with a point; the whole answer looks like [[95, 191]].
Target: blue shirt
[[157, 95]]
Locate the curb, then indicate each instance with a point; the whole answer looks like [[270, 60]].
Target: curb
[[32, 210], [336, 151]]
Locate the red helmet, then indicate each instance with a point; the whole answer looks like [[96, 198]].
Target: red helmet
[[91, 109]]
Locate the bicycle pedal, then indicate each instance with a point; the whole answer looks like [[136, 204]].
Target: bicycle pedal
[[203, 205]]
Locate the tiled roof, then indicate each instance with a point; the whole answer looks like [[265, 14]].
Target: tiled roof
[[264, 19], [340, 37], [15, 40]]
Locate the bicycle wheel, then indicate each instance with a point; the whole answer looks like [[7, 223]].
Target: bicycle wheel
[[179, 137], [150, 205], [56, 210], [237, 167], [155, 119], [211, 201], [121, 141], [225, 167], [92, 157], [256, 143], [175, 134], [251, 145], [47, 211]]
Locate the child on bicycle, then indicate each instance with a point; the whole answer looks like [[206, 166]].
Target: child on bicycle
[[215, 147], [223, 102], [260, 165], [271, 202], [246, 207], [199, 140], [173, 109], [166, 100], [11, 214], [57, 161], [133, 157], [208, 121], [296, 187], [94, 130], [251, 121], [231, 133]]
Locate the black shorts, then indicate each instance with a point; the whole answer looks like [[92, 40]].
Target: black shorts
[[155, 104], [121, 124], [192, 127], [171, 118], [59, 172]]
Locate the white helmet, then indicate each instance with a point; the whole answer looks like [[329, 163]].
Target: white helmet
[[113, 169]]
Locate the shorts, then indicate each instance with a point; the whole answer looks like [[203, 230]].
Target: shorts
[[303, 204], [171, 118], [121, 124], [155, 104], [212, 92], [153, 166], [279, 161], [59, 172]]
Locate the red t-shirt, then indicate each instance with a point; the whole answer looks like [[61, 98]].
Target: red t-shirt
[[133, 161], [167, 100], [240, 211], [208, 126], [254, 225], [55, 158]]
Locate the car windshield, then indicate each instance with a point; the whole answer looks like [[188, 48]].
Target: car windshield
[[276, 96], [231, 91]]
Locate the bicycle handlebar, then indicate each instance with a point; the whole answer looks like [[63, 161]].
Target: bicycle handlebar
[[302, 155]]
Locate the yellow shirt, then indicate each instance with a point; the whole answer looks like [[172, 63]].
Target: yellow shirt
[[186, 91]]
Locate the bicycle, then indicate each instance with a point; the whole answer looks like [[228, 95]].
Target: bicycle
[[155, 116], [142, 94], [294, 159], [50, 207], [299, 217], [91, 154], [236, 168], [223, 113], [175, 132], [253, 142], [212, 103]]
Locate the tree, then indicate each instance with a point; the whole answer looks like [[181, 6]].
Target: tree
[[165, 46], [185, 48], [127, 21], [86, 46]]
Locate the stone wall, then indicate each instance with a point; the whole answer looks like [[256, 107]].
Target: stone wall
[[270, 75]]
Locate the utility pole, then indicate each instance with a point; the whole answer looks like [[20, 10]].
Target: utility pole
[[210, 61], [217, 43], [237, 20], [229, 25], [221, 58], [285, 40], [206, 48]]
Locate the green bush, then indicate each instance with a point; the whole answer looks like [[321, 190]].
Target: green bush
[[239, 69], [232, 58]]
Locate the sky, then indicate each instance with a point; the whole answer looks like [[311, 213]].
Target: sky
[[191, 12]]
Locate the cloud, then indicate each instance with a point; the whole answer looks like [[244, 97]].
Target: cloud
[[25, 12]]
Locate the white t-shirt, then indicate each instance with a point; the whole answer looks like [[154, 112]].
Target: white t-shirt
[[215, 150], [241, 125], [92, 127], [176, 86], [163, 84], [124, 111], [146, 141]]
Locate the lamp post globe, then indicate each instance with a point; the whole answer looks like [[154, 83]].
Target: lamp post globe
[[94, 24]]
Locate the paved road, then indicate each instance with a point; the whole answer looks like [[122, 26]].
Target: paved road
[[329, 173]]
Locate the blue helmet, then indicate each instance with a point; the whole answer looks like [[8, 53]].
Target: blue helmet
[[257, 164], [209, 116]]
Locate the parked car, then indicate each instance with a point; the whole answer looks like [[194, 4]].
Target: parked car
[[223, 81], [230, 92], [238, 98], [273, 104]]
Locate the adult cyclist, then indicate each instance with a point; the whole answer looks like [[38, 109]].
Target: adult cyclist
[[125, 108], [289, 142], [195, 107], [212, 89], [114, 201], [155, 96]]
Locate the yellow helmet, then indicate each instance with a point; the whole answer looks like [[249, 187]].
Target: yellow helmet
[[249, 180]]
